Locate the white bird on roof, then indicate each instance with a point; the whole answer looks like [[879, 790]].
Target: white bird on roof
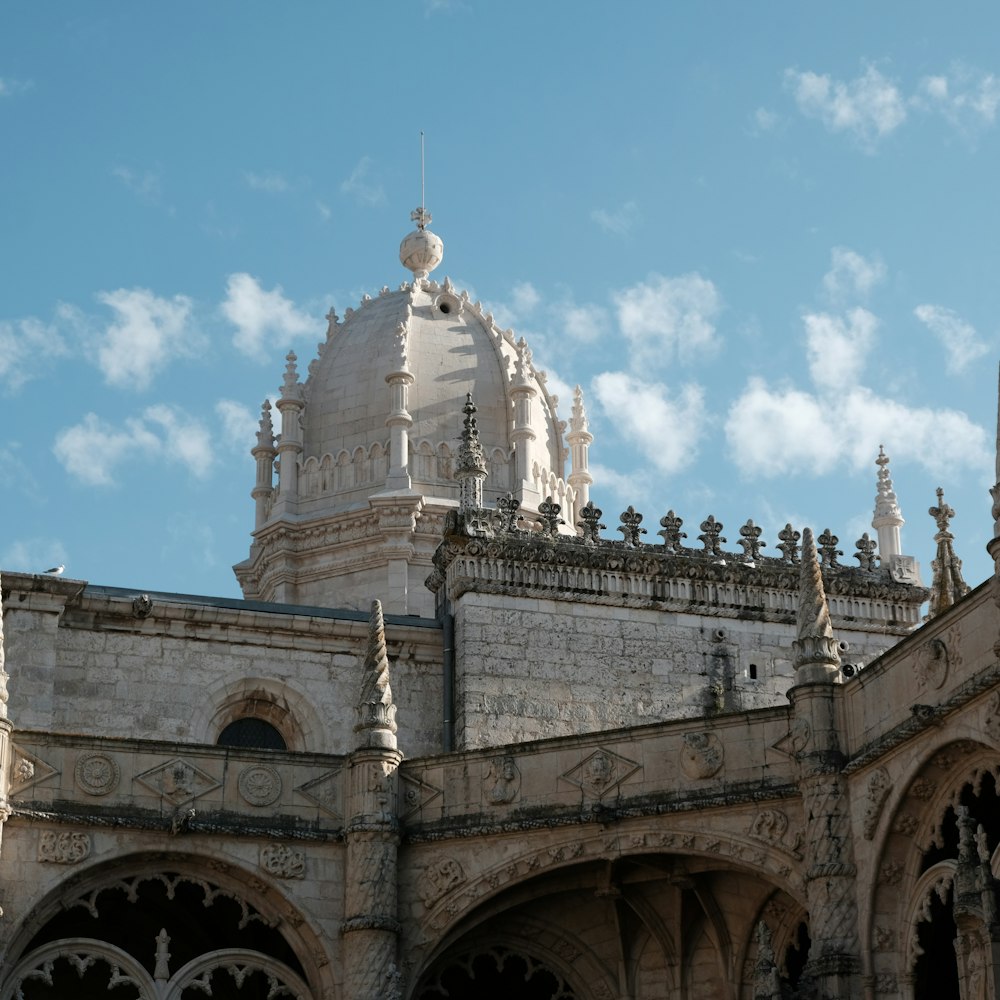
[[56, 571]]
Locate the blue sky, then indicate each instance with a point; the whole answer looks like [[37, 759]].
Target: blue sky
[[762, 237]]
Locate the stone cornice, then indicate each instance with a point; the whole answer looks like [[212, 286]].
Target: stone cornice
[[529, 564]]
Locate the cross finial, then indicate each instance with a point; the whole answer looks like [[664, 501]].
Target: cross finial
[[421, 217]]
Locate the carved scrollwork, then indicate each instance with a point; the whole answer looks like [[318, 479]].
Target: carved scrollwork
[[282, 861], [64, 847]]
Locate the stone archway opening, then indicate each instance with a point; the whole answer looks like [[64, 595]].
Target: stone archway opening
[[166, 934], [496, 974]]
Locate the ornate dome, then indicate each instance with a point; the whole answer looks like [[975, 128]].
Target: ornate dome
[[368, 444]]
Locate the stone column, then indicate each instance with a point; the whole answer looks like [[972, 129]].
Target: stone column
[[834, 956], [290, 406], [523, 392], [371, 926]]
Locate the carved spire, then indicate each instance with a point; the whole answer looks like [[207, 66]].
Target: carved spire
[[816, 655], [470, 470], [291, 388], [579, 440], [948, 585], [376, 712], [888, 518], [578, 418], [766, 979], [265, 432]]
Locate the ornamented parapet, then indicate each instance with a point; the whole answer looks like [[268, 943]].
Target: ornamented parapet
[[509, 554]]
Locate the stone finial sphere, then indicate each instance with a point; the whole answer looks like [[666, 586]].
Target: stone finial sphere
[[421, 251]]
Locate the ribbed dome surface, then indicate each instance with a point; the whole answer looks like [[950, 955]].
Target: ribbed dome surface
[[451, 348]]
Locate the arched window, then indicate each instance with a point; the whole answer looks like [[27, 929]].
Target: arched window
[[251, 733]]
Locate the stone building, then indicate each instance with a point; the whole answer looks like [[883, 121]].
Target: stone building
[[456, 742]]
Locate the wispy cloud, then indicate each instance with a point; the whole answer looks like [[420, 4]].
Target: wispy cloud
[[967, 98], [361, 186], [619, 222], [262, 318], [269, 182], [93, 449], [239, 425], [667, 318], [763, 120], [636, 405], [851, 276], [869, 107], [839, 421], [9, 87], [959, 339], [27, 346], [145, 184], [324, 211], [148, 333]]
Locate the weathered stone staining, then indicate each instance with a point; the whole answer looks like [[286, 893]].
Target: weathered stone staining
[[579, 762]]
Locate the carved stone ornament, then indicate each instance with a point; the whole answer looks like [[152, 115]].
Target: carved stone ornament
[[63, 848], [178, 781], [600, 773], [415, 794], [324, 791], [283, 862], [26, 770], [142, 606], [931, 664], [438, 878], [702, 756], [879, 786], [991, 718], [259, 785], [770, 826], [97, 773], [502, 781]]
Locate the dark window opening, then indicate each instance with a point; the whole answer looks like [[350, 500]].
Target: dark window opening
[[251, 733]]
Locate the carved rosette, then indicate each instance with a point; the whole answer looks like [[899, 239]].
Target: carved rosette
[[97, 773], [259, 785], [702, 756]]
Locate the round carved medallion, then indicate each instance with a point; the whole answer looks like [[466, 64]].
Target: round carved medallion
[[97, 773], [259, 785]]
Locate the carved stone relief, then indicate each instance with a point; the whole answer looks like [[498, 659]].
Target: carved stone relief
[[502, 781], [178, 781], [771, 826], [931, 665], [323, 791], [259, 785], [702, 756], [600, 773], [26, 770], [282, 861], [991, 718], [97, 773], [63, 848], [415, 794], [879, 786], [438, 878]]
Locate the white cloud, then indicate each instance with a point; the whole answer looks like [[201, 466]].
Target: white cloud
[[868, 107], [262, 318], [851, 276], [837, 348], [239, 425], [620, 222], [586, 323], [666, 318], [775, 431], [270, 182], [677, 420], [10, 87], [968, 99], [148, 333], [324, 211], [26, 346], [763, 120], [360, 186], [91, 450], [184, 440], [524, 298], [961, 344], [146, 184]]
